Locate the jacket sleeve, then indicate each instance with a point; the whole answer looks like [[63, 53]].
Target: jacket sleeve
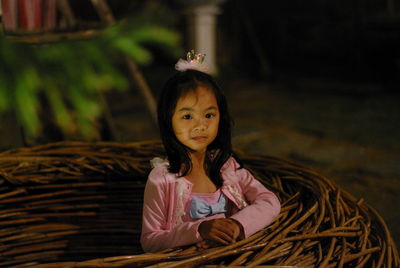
[[158, 233], [263, 206]]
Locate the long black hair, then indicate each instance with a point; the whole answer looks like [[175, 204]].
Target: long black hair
[[219, 150]]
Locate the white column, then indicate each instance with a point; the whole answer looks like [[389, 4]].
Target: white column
[[202, 22]]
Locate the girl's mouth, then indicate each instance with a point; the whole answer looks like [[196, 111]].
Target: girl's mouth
[[200, 138]]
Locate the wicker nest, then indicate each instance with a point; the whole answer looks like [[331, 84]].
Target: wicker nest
[[78, 204]]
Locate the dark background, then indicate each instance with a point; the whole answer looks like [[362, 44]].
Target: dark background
[[315, 82]]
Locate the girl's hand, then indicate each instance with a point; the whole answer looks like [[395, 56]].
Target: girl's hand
[[221, 231], [239, 233], [204, 244]]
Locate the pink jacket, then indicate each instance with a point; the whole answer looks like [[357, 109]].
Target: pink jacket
[[166, 195]]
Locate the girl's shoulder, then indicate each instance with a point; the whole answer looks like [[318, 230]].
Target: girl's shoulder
[[231, 165], [160, 172], [233, 171], [157, 162]]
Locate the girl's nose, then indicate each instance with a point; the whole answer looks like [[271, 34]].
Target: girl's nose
[[200, 125]]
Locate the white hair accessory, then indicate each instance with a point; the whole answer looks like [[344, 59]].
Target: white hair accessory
[[193, 62]]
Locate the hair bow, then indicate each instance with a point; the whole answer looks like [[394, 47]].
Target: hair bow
[[193, 62], [200, 209]]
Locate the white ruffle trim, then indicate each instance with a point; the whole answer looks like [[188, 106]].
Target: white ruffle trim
[[158, 161], [184, 65]]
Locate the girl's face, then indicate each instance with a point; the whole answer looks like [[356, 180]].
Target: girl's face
[[196, 118]]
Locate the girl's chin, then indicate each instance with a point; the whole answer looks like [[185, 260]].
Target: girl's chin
[[197, 149]]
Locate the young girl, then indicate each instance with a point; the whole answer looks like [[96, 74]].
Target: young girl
[[201, 195]]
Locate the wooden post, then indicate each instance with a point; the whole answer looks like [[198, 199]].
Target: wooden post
[[202, 20], [30, 15], [144, 88], [10, 14], [66, 10], [104, 11]]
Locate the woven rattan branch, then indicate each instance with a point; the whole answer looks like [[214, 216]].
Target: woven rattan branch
[[76, 204]]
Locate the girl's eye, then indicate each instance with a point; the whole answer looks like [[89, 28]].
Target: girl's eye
[[210, 115], [187, 116]]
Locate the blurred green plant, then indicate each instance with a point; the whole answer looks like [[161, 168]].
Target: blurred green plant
[[71, 74]]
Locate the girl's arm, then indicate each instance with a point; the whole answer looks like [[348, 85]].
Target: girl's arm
[[156, 233], [263, 206]]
